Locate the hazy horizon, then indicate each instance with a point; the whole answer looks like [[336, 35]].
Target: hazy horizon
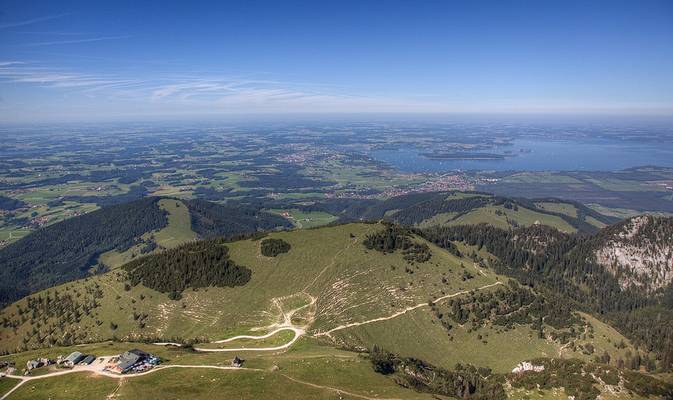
[[97, 62]]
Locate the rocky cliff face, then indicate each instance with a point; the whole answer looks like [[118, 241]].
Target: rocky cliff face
[[639, 252]]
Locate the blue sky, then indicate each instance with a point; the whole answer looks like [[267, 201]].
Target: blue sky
[[63, 60]]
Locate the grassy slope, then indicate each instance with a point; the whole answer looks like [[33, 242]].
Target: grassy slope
[[523, 216], [605, 338], [563, 208], [277, 339], [326, 263], [555, 213], [177, 232], [340, 272], [438, 219], [319, 260], [307, 219], [76, 386], [179, 229], [569, 210], [420, 335], [499, 215], [307, 371], [6, 384]]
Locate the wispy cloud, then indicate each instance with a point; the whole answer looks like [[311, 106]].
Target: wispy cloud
[[73, 41], [52, 33], [8, 63], [19, 72], [4, 25], [201, 93]]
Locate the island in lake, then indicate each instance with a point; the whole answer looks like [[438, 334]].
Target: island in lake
[[465, 156]]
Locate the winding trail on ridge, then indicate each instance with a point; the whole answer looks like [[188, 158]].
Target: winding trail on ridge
[[404, 311], [298, 332], [285, 325], [287, 319]]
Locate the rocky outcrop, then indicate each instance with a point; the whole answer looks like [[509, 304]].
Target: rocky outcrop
[[639, 252]]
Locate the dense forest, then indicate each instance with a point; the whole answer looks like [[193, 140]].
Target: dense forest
[[192, 265], [66, 251], [285, 179], [273, 247], [211, 220], [9, 204], [564, 266]]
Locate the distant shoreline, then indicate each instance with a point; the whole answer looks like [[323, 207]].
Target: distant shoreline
[[465, 156]]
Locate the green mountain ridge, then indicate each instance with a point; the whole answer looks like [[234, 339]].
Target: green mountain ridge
[[416, 311], [73, 248], [352, 286]]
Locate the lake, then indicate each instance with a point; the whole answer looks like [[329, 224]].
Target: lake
[[541, 155]]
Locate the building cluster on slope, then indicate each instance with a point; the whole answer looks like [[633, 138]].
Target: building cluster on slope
[[75, 358], [132, 361]]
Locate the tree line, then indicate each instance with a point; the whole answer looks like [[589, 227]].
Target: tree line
[[66, 251]]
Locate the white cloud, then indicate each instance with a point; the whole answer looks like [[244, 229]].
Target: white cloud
[[75, 41], [111, 95], [30, 21], [202, 94], [21, 73]]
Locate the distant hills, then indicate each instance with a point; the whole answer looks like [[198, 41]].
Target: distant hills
[[71, 249], [458, 208], [115, 234]]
